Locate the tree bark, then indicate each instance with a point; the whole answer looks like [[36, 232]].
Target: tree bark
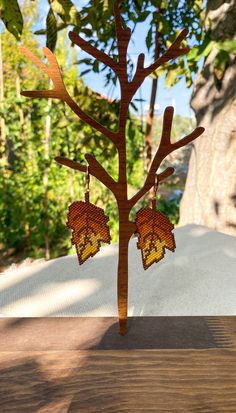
[[71, 172], [150, 114], [210, 193], [20, 110], [149, 125]]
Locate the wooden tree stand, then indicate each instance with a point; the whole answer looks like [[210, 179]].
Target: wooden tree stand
[[118, 138]]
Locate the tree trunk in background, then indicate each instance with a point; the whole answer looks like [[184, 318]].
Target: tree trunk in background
[[210, 193], [150, 117], [22, 138], [149, 125], [71, 171], [20, 110]]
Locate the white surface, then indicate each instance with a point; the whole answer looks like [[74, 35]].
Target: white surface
[[198, 279]]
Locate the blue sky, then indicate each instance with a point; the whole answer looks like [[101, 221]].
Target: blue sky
[[178, 96]]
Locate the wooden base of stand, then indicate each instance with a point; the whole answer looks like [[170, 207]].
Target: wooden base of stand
[[162, 364]]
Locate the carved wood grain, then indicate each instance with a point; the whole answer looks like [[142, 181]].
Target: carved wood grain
[[118, 138]]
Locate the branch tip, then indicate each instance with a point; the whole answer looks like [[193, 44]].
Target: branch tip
[[71, 35], [165, 174], [71, 164], [201, 130], [93, 51], [169, 110], [141, 59], [182, 35]]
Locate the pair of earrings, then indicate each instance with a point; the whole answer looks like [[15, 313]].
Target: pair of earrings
[[89, 229]]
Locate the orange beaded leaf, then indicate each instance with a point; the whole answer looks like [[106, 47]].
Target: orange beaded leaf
[[154, 235], [89, 228]]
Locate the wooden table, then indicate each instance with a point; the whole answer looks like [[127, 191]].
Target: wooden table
[[82, 365]]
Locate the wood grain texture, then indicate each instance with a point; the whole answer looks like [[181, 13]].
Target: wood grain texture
[[116, 381], [128, 89], [93, 333]]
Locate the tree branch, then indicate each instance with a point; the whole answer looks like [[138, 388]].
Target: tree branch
[[97, 54], [97, 170], [188, 139], [123, 38], [91, 121], [60, 92], [165, 146], [165, 143], [149, 183], [53, 71], [164, 149], [173, 52], [139, 74], [71, 164]]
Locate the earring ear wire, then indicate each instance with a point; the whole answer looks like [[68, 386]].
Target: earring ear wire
[[87, 184], [154, 200]]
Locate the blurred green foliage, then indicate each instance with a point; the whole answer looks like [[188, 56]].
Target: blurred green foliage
[[34, 190], [24, 219]]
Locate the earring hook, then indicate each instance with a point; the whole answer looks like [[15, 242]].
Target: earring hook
[[87, 179], [87, 184], [156, 184]]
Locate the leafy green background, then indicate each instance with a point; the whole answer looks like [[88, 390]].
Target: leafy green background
[[32, 211]]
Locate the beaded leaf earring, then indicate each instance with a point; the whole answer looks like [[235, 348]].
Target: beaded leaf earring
[[154, 233], [89, 226]]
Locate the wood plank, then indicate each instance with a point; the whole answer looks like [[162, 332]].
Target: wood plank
[[73, 333], [119, 380], [131, 380]]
